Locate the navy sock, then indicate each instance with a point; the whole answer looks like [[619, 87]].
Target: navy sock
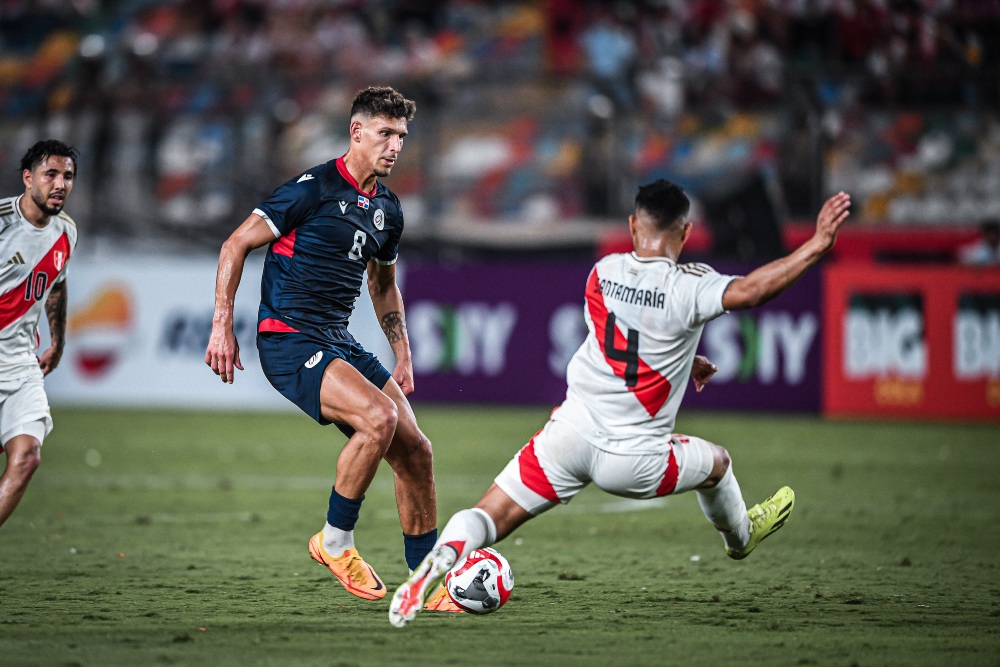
[[418, 546], [343, 512]]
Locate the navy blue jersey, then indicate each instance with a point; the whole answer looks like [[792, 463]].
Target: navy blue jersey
[[328, 230]]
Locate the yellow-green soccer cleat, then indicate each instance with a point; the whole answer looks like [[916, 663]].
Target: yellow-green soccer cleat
[[765, 518], [422, 584]]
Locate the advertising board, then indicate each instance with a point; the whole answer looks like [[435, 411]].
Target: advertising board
[[503, 333], [137, 328], [912, 341]]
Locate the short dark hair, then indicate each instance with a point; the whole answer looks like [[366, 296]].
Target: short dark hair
[[383, 101], [665, 201], [47, 148]]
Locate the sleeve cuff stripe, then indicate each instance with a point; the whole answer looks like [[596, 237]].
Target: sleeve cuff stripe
[[270, 224]]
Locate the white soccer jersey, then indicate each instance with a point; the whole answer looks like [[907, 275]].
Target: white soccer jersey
[[32, 260], [644, 318]]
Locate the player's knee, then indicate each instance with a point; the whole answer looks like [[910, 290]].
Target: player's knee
[[382, 419], [22, 465], [721, 461], [421, 456], [720, 465]]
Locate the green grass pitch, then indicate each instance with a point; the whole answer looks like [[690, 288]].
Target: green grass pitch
[[151, 538]]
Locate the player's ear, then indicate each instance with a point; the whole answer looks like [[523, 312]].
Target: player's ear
[[356, 128], [26, 177], [686, 231]]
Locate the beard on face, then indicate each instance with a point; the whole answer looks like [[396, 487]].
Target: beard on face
[[44, 207]]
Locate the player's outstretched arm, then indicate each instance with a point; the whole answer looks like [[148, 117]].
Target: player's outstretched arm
[[770, 280], [388, 304], [223, 353], [55, 311]]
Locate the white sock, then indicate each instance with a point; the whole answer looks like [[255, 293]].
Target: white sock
[[723, 505], [337, 540], [467, 531]]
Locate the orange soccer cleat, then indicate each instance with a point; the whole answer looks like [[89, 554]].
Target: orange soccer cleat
[[441, 601], [351, 570]]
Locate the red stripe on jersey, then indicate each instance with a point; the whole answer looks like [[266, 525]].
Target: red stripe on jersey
[[669, 481], [532, 474], [342, 168], [285, 245], [275, 326], [651, 388], [19, 299]]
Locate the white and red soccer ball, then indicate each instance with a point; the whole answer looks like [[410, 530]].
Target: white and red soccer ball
[[481, 582]]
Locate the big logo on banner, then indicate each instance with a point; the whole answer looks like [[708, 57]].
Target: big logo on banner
[[977, 342], [885, 341], [912, 341]]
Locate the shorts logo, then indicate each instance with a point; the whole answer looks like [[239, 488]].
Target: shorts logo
[[315, 359], [363, 202], [379, 219]]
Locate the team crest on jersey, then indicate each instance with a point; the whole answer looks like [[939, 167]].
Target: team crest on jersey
[[59, 259], [379, 219], [315, 359], [363, 202]]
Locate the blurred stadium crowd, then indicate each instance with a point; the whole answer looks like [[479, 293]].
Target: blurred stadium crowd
[[188, 112]]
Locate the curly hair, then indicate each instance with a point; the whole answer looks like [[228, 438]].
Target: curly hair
[[47, 148], [383, 101]]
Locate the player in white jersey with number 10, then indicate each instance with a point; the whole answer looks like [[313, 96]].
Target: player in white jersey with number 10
[[36, 241], [645, 313]]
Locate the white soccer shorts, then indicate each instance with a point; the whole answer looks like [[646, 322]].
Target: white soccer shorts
[[557, 463], [23, 402]]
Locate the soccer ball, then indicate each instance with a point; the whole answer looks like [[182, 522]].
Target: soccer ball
[[481, 582]]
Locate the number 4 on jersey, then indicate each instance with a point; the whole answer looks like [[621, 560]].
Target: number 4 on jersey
[[629, 355], [621, 351]]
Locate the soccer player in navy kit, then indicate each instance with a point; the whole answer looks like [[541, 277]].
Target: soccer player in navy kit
[[325, 227]]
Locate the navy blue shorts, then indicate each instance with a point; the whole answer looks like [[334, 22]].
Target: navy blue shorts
[[294, 365]]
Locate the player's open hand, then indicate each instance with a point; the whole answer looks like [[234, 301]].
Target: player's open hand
[[702, 371], [831, 217], [223, 353]]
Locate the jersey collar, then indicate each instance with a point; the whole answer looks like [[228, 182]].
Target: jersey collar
[[651, 259], [342, 168]]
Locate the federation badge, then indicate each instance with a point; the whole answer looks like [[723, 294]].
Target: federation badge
[[59, 258], [379, 219], [363, 202]]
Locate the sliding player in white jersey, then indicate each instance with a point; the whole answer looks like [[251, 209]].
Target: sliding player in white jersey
[[645, 314], [36, 241]]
